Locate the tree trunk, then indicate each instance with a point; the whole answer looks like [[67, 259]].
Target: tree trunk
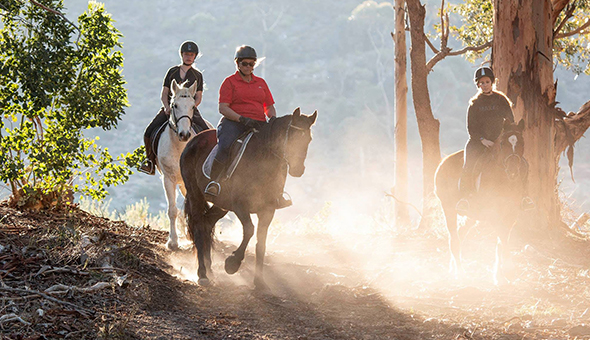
[[522, 57], [401, 116], [428, 126]]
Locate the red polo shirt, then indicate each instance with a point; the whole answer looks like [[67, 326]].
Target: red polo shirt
[[246, 99]]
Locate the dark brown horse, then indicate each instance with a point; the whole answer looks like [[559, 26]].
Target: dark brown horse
[[253, 188], [498, 199]]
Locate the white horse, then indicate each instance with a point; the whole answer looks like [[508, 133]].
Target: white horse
[[174, 138]]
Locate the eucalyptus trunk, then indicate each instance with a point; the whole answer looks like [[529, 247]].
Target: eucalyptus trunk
[[401, 115], [428, 126]]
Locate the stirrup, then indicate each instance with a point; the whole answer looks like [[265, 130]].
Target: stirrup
[[462, 206], [527, 203], [147, 167], [284, 201], [213, 189]]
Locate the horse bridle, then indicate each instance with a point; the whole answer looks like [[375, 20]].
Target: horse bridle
[[173, 121], [283, 156], [519, 159]]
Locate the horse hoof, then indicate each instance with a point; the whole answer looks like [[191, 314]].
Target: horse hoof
[[203, 282], [172, 245], [232, 265]]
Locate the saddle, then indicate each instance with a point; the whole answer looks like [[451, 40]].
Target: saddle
[[155, 137], [235, 155]]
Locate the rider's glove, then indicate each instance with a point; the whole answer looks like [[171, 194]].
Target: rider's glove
[[249, 122]]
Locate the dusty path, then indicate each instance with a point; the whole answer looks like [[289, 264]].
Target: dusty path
[[376, 284]]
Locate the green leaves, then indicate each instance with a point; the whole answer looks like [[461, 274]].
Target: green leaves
[[55, 82]]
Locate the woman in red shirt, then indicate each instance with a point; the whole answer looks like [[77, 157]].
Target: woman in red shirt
[[246, 103]]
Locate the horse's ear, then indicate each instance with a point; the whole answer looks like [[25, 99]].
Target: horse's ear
[[174, 86], [193, 89], [313, 117], [297, 112], [521, 125]]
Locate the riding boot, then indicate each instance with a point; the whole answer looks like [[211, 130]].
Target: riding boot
[[148, 165], [214, 188]]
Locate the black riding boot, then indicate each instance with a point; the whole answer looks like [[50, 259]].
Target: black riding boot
[[214, 188], [148, 166]]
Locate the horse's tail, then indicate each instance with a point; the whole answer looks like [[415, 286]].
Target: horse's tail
[[200, 229]]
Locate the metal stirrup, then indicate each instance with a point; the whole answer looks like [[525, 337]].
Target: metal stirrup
[[210, 185]]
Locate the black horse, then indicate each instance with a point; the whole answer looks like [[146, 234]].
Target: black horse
[[254, 187], [501, 188]]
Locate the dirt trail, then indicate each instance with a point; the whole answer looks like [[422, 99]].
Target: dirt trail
[[363, 285]]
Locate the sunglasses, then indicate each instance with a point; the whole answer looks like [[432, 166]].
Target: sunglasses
[[245, 63]]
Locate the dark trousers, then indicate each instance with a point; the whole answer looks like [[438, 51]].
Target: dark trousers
[[474, 150], [199, 124], [227, 132]]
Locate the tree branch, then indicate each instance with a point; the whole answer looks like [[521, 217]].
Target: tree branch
[[448, 52], [569, 129], [54, 12], [558, 6], [568, 14], [573, 32]]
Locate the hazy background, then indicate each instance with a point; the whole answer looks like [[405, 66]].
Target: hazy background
[[332, 56]]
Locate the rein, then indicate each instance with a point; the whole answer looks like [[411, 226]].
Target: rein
[[284, 146]]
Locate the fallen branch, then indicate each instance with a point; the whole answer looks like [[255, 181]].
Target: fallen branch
[[12, 317], [45, 270], [60, 288], [82, 311]]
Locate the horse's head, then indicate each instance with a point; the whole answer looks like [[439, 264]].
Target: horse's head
[[182, 103], [297, 141], [512, 149]]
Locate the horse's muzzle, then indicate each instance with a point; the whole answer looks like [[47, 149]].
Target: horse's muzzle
[[184, 136], [296, 171]]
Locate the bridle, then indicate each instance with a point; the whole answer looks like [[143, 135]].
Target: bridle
[[272, 150], [518, 159], [173, 120]]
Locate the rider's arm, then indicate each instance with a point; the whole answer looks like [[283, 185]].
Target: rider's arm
[[271, 111], [164, 99], [228, 113], [198, 98]]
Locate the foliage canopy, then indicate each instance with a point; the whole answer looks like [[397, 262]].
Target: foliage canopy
[[58, 80], [570, 44]]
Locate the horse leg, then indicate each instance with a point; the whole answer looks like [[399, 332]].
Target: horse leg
[[503, 264], [199, 233], [264, 219], [455, 266], [170, 188], [233, 262]]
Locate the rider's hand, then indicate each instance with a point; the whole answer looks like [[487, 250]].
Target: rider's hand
[[249, 122], [487, 143]]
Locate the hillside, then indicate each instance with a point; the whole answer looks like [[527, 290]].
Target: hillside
[[71, 275]]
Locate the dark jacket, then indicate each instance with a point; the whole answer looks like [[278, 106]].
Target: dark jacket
[[486, 114]]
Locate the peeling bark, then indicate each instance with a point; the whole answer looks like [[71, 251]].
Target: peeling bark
[[522, 61], [428, 126]]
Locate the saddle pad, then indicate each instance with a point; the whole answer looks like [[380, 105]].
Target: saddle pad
[[158, 133], [236, 152]]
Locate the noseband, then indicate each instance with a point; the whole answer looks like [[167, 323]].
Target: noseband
[[173, 121]]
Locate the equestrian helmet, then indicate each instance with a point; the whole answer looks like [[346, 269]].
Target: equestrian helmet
[[245, 52], [483, 72], [189, 46]]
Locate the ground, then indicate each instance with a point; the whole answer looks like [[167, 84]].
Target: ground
[[69, 275]]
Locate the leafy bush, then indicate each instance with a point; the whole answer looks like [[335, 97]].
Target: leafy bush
[[56, 81]]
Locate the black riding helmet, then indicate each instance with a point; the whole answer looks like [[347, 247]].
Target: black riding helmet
[[245, 52], [483, 72], [188, 46]]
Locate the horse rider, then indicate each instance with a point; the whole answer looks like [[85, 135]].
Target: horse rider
[[245, 102], [185, 72], [485, 119]]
